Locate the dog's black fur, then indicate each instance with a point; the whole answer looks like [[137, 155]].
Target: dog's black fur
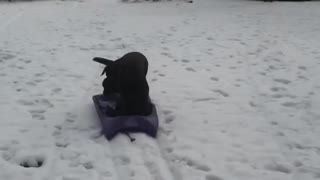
[[127, 76]]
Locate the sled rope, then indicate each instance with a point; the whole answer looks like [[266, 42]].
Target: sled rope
[[131, 138]]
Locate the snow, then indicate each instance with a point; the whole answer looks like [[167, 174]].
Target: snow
[[235, 83]]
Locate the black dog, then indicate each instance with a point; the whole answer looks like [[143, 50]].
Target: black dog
[[127, 76]]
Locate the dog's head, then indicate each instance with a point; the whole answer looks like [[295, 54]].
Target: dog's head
[[109, 70]]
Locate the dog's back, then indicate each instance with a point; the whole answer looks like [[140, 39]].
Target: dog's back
[[134, 87]]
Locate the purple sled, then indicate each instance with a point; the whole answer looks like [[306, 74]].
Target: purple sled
[[113, 125]]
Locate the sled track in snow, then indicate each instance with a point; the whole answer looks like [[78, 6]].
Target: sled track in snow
[[145, 155]]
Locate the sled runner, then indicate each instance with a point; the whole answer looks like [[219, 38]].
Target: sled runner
[[125, 124]]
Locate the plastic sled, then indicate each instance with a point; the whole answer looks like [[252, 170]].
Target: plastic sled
[[113, 125]]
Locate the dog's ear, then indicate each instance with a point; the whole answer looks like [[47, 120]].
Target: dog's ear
[[104, 71], [103, 61]]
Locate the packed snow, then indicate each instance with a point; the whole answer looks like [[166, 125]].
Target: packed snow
[[236, 84]]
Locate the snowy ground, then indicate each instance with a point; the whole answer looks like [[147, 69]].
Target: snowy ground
[[236, 84]]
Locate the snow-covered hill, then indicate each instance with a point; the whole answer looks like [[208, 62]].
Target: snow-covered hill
[[236, 84]]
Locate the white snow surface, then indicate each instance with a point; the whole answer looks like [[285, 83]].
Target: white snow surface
[[236, 84]]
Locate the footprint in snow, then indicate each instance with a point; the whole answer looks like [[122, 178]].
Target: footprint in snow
[[203, 99], [124, 160], [185, 61], [167, 54], [263, 73], [290, 104], [26, 102], [169, 119], [277, 96], [62, 144], [210, 38], [57, 131], [280, 134], [70, 117], [213, 177], [166, 112], [166, 132], [23, 130], [30, 83], [56, 90], [195, 164], [4, 56], [283, 81], [32, 162], [44, 102], [88, 165], [274, 123], [209, 53], [276, 89], [37, 112], [311, 93], [297, 163], [302, 77], [302, 68], [252, 104], [165, 48], [173, 29], [39, 74], [278, 168], [116, 39], [26, 161], [190, 69], [224, 94], [38, 116]]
